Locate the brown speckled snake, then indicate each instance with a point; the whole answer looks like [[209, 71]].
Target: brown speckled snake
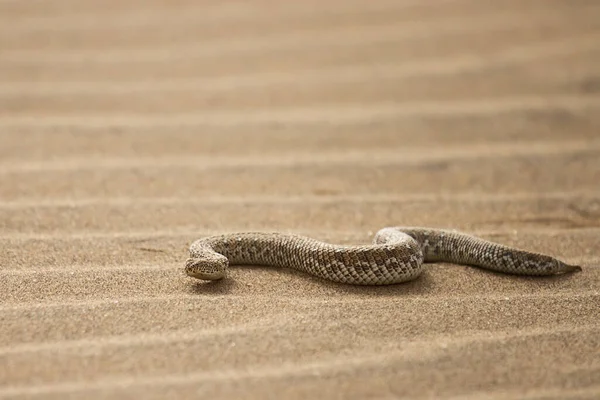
[[397, 255]]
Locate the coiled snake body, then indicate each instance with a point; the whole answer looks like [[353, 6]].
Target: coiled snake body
[[397, 255]]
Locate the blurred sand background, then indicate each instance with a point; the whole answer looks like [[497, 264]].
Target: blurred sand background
[[130, 129]]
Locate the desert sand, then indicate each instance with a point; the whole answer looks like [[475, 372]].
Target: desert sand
[[130, 129]]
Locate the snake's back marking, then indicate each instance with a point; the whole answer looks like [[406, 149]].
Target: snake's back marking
[[397, 255]]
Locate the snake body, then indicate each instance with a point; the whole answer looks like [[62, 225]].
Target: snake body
[[396, 255]]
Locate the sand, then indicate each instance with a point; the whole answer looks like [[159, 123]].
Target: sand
[[130, 129]]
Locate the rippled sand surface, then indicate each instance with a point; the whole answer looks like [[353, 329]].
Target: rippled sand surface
[[130, 129]]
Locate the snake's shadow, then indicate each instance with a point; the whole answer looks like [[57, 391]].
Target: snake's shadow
[[423, 284], [215, 288], [426, 283], [544, 279]]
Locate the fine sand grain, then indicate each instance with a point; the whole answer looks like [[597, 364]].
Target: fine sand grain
[[130, 129]]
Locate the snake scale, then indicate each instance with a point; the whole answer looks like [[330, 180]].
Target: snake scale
[[396, 255]]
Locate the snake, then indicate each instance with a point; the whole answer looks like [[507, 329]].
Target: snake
[[397, 255]]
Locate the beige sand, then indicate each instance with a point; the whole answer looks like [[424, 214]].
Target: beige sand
[[129, 129]]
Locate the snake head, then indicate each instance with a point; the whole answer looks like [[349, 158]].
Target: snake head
[[210, 267]]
